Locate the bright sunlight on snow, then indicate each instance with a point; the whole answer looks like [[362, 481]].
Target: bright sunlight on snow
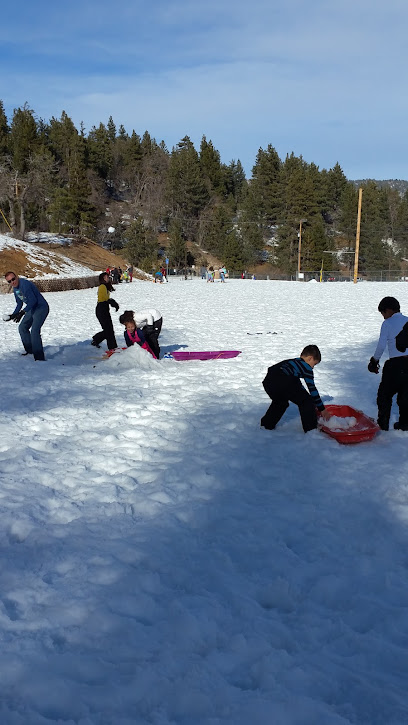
[[165, 560]]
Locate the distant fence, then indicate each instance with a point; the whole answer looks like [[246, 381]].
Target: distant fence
[[384, 275], [58, 285]]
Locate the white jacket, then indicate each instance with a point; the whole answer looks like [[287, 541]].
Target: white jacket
[[389, 330], [146, 317]]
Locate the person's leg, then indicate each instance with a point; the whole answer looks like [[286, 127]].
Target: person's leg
[[151, 336], [274, 386], [99, 336], [157, 330], [386, 390], [105, 320], [40, 314], [298, 394], [158, 326], [274, 413], [24, 330], [151, 340], [109, 332]]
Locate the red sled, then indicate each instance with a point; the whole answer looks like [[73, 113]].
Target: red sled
[[109, 353], [205, 355], [364, 430]]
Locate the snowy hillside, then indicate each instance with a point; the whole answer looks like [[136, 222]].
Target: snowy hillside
[[43, 263], [167, 562]]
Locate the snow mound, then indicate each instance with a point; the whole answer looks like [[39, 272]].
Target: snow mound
[[337, 423], [133, 357]]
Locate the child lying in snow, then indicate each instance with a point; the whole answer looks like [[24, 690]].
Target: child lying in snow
[[132, 334], [282, 384]]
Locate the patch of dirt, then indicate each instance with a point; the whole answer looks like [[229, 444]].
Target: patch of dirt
[[82, 251], [88, 253]]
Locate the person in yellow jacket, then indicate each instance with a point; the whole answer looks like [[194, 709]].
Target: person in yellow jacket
[[103, 313]]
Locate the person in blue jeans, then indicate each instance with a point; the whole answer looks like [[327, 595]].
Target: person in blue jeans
[[32, 316]]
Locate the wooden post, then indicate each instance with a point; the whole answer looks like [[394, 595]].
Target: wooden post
[[1, 212], [360, 196]]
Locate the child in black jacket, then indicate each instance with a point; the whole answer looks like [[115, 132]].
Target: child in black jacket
[[282, 384]]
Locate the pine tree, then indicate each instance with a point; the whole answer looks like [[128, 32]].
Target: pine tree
[[265, 190], [100, 151], [374, 253], [401, 225], [23, 137], [134, 153], [4, 132], [186, 191], [335, 187], [62, 136], [234, 257], [177, 250], [111, 129], [314, 245], [140, 246], [235, 183], [211, 168], [348, 213], [287, 249]]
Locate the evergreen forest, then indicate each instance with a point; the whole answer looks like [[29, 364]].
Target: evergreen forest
[[55, 177]]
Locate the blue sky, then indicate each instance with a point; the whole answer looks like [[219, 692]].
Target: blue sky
[[321, 78]]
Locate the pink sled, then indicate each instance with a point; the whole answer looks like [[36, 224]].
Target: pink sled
[[205, 355]]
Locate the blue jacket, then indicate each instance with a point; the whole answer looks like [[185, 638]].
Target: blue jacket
[[28, 293]]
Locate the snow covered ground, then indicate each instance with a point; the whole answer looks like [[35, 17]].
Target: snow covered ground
[[164, 560]]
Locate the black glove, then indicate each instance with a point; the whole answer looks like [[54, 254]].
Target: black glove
[[18, 316], [373, 366], [114, 304]]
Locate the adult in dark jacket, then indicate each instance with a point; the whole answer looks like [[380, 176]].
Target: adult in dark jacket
[[103, 313], [32, 317]]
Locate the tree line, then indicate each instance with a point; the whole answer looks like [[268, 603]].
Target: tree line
[[55, 177]]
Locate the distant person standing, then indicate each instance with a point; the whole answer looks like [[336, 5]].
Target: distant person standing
[[103, 313], [32, 317]]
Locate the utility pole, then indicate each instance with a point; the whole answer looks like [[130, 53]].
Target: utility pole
[[360, 196]]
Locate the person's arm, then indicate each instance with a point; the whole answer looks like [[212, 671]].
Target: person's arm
[[18, 307], [382, 341], [114, 304], [128, 341], [309, 380], [28, 291], [141, 336]]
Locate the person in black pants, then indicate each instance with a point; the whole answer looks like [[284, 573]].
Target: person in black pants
[[103, 313], [394, 379], [282, 384], [150, 321]]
